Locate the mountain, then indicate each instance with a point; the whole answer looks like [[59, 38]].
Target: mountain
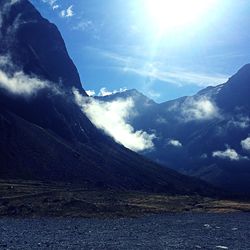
[[45, 135], [205, 135], [35, 45]]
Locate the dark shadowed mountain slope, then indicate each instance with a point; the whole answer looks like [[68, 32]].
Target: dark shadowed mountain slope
[[35, 44], [236, 92], [205, 135], [43, 133]]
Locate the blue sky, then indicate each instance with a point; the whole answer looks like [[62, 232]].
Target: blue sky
[[119, 44]]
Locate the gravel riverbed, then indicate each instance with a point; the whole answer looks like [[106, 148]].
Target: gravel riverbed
[[168, 231]]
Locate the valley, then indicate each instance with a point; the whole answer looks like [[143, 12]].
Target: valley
[[21, 198]]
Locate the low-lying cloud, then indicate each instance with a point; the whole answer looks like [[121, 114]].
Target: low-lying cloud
[[112, 117], [21, 84], [175, 143], [90, 92], [199, 109], [240, 121], [246, 144], [105, 92], [229, 154]]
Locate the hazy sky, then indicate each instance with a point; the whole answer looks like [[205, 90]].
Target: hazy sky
[[163, 48]]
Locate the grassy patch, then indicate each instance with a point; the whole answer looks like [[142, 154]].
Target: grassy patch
[[36, 199]]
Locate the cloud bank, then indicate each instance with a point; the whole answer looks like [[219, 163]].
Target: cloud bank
[[18, 83], [21, 84], [198, 109], [111, 117]]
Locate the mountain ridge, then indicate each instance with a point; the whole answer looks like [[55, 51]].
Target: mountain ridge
[[208, 130]]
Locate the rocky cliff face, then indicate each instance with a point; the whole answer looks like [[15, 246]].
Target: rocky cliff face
[[35, 45]]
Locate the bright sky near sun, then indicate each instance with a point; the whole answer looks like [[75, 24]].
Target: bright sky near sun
[[163, 48]]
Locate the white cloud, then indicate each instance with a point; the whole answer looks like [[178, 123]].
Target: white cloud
[[199, 109], [175, 143], [5, 61], [56, 6], [161, 120], [179, 77], [68, 12], [21, 84], [53, 3], [90, 92], [83, 25], [112, 117], [242, 122], [229, 154], [105, 92], [246, 144], [157, 70]]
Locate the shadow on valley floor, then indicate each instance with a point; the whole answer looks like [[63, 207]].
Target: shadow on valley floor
[[35, 199]]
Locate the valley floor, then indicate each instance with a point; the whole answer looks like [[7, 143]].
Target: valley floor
[[169, 231], [38, 199]]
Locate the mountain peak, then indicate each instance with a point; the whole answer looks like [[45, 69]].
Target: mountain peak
[[245, 67], [242, 76], [137, 97], [243, 73], [235, 92], [29, 40], [134, 93]]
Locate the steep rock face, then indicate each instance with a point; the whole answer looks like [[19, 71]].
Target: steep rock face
[[35, 45], [236, 92], [32, 45], [202, 135], [45, 135]]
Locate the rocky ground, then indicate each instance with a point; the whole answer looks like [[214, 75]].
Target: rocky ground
[[185, 231]]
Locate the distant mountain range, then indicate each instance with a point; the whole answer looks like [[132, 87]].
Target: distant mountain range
[[206, 135], [44, 134]]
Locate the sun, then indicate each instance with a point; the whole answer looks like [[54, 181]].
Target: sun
[[167, 15]]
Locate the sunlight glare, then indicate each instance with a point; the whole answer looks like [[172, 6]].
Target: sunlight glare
[[167, 15]]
